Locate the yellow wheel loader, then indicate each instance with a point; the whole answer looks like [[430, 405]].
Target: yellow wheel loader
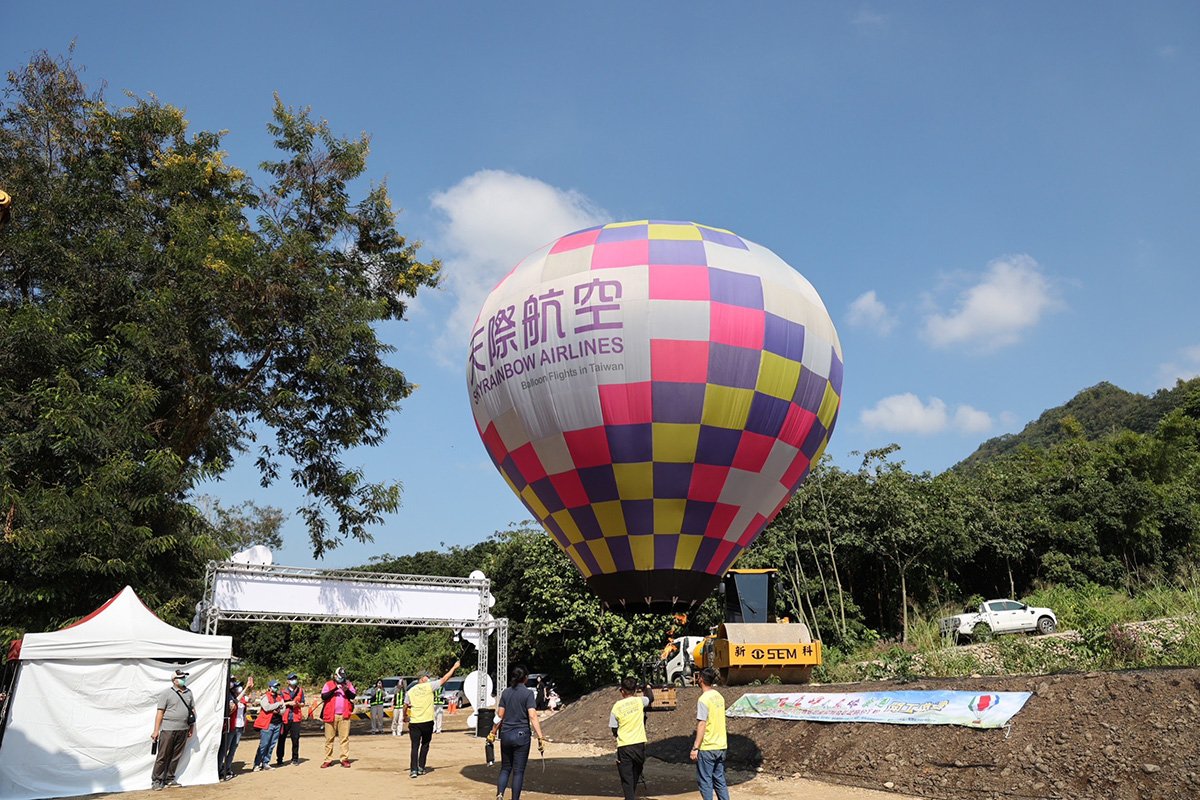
[[751, 645]]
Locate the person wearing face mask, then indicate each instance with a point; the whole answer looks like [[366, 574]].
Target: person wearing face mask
[[268, 722], [240, 696], [378, 700], [338, 696], [174, 724], [293, 712]]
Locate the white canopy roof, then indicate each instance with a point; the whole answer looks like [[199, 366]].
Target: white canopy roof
[[123, 628]]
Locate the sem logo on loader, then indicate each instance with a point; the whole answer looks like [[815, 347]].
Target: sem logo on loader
[[775, 653]]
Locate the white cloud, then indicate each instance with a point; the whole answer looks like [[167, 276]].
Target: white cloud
[[868, 311], [1010, 298], [906, 413], [1168, 52], [866, 18], [1185, 367], [971, 420], [492, 220]]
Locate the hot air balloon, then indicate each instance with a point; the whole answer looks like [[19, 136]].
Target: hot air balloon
[[983, 703], [654, 392]]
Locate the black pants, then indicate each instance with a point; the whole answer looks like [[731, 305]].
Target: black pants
[[170, 749], [291, 729], [420, 734], [631, 758]]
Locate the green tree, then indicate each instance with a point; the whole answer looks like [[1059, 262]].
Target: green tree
[[235, 528], [162, 314], [807, 543], [908, 521]]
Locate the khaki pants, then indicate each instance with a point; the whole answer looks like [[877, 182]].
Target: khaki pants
[[398, 721], [340, 729]]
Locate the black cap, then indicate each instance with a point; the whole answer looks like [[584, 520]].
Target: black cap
[[293, 676]]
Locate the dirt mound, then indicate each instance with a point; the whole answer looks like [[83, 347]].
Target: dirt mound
[[1121, 735]]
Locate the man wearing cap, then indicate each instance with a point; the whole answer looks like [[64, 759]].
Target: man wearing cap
[[293, 712], [174, 724], [419, 702], [338, 696], [268, 722]]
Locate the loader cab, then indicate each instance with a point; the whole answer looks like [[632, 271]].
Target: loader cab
[[749, 595]]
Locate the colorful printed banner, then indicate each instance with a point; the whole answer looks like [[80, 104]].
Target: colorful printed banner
[[988, 710]]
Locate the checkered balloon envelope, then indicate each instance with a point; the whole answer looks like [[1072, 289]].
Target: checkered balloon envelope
[[654, 392]]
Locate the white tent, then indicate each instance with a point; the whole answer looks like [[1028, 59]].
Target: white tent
[[84, 701]]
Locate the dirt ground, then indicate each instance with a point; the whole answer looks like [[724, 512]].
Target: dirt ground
[[1118, 735], [380, 772]]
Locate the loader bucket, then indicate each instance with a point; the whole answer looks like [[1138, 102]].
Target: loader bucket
[[748, 651]]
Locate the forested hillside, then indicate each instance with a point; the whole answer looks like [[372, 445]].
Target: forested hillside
[[1099, 410]]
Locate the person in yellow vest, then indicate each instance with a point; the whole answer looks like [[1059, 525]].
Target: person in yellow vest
[[419, 702], [708, 749], [628, 722], [378, 699]]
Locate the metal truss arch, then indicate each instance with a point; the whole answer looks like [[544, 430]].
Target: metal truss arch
[[274, 593]]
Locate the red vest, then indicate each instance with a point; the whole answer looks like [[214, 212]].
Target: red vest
[[293, 714], [327, 713], [264, 718]]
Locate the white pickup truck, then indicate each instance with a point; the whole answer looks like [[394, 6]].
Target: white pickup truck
[[1000, 616]]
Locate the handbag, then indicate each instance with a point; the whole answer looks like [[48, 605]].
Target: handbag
[[191, 719]]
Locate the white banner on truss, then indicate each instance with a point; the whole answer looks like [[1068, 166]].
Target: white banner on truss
[[307, 595]]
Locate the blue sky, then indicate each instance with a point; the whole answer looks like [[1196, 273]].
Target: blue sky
[[997, 202]]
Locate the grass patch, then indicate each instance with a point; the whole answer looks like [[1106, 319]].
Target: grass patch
[[1159, 626]]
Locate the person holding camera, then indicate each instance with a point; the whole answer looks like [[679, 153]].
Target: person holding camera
[[338, 695], [174, 724], [293, 713], [239, 695]]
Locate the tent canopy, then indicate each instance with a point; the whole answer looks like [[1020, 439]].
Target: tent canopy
[[80, 717], [123, 628]]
